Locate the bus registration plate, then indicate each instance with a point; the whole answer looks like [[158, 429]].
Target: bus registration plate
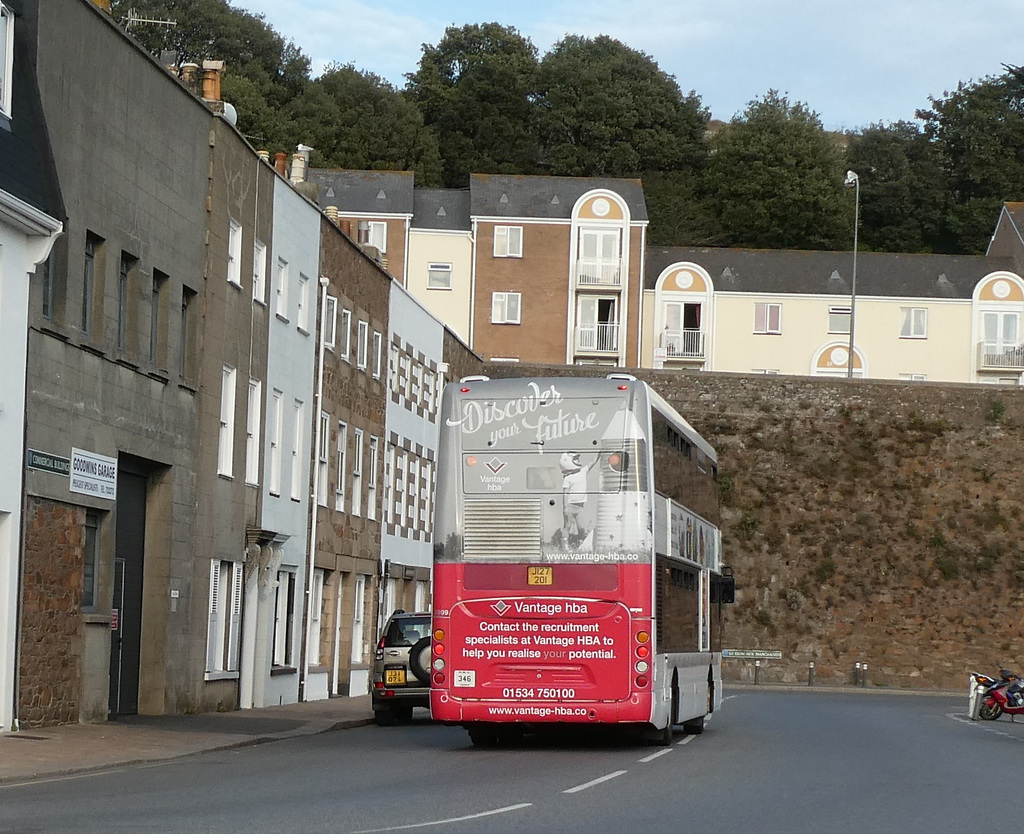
[[539, 575]]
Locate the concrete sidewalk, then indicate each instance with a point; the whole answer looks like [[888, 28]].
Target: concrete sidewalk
[[34, 754]]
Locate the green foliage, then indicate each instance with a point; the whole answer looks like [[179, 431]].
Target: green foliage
[[996, 411], [263, 71], [358, 120], [824, 570], [475, 90], [607, 110], [777, 180], [746, 526], [977, 130], [725, 488], [903, 195]]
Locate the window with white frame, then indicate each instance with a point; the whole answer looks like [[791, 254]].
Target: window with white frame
[[428, 494], [284, 619], [275, 433], [235, 253], [330, 321], [439, 276], [374, 233], [362, 345], [6, 59], [422, 595], [345, 336], [281, 290], [298, 412], [767, 318], [357, 472], [914, 377], [226, 440], [316, 608], [252, 432], [322, 463], [358, 618], [417, 383], [339, 489], [401, 462], [259, 272], [508, 241], [429, 382], [389, 485], [390, 596], [302, 310], [838, 319], [371, 479], [225, 608], [505, 308], [413, 488], [378, 354], [913, 323]]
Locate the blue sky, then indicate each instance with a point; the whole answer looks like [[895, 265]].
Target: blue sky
[[878, 61]]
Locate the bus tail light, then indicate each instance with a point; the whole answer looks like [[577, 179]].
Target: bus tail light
[[641, 681], [439, 634], [438, 678], [642, 651], [438, 648], [641, 667], [642, 637], [438, 664]]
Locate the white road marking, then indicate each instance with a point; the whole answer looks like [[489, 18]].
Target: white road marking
[[593, 782], [653, 756], [686, 740], [447, 821], [987, 726]]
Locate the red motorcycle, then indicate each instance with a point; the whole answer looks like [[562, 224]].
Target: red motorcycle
[[1005, 695]]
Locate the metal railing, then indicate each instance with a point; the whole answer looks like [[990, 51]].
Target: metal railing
[[597, 337], [685, 343], [598, 272], [1000, 355]]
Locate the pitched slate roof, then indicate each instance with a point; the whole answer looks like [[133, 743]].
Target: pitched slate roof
[[364, 192], [26, 163], [441, 208], [494, 195], [829, 273]]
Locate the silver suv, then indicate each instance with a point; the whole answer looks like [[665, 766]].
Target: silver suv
[[401, 668]]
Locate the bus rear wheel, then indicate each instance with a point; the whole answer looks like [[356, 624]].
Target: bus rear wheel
[[482, 735]]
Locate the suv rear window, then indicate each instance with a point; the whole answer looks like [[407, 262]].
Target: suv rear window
[[406, 631]]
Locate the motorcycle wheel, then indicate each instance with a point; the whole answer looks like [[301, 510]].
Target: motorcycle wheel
[[990, 712]]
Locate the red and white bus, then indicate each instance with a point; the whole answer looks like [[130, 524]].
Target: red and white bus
[[577, 559]]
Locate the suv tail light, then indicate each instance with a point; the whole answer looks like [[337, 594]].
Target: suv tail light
[[379, 654]]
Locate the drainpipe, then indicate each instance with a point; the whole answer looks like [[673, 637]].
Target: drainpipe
[[314, 501], [472, 288]]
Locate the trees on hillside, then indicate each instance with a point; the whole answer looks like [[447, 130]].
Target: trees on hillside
[[903, 194], [356, 119], [977, 131], [775, 179], [475, 90], [604, 109]]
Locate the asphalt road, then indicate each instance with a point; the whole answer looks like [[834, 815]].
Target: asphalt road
[[798, 761]]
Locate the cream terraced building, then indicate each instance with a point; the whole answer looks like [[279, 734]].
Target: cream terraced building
[[940, 318]]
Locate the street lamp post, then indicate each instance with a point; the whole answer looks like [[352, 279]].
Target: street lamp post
[[853, 180]]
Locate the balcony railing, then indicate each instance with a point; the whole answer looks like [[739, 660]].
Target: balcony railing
[[598, 337], [595, 272], [683, 343], [1000, 355]]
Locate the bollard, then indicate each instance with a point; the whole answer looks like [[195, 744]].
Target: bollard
[[757, 672], [810, 673], [864, 674], [856, 673]]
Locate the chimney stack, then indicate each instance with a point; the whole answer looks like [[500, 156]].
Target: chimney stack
[[211, 79], [190, 76]]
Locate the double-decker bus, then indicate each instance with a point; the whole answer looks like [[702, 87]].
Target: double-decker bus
[[578, 575]]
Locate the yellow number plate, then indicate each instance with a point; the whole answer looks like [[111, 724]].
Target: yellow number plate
[[394, 677], [539, 576]]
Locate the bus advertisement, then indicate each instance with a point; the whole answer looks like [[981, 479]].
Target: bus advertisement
[[577, 560]]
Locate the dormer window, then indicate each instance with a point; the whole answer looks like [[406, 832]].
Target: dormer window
[[6, 58]]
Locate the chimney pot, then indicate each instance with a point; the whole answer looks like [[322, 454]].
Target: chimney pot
[[281, 163], [298, 174], [332, 214], [211, 79], [264, 155]]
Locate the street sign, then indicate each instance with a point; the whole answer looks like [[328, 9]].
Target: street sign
[[752, 654], [45, 462], [93, 474]]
